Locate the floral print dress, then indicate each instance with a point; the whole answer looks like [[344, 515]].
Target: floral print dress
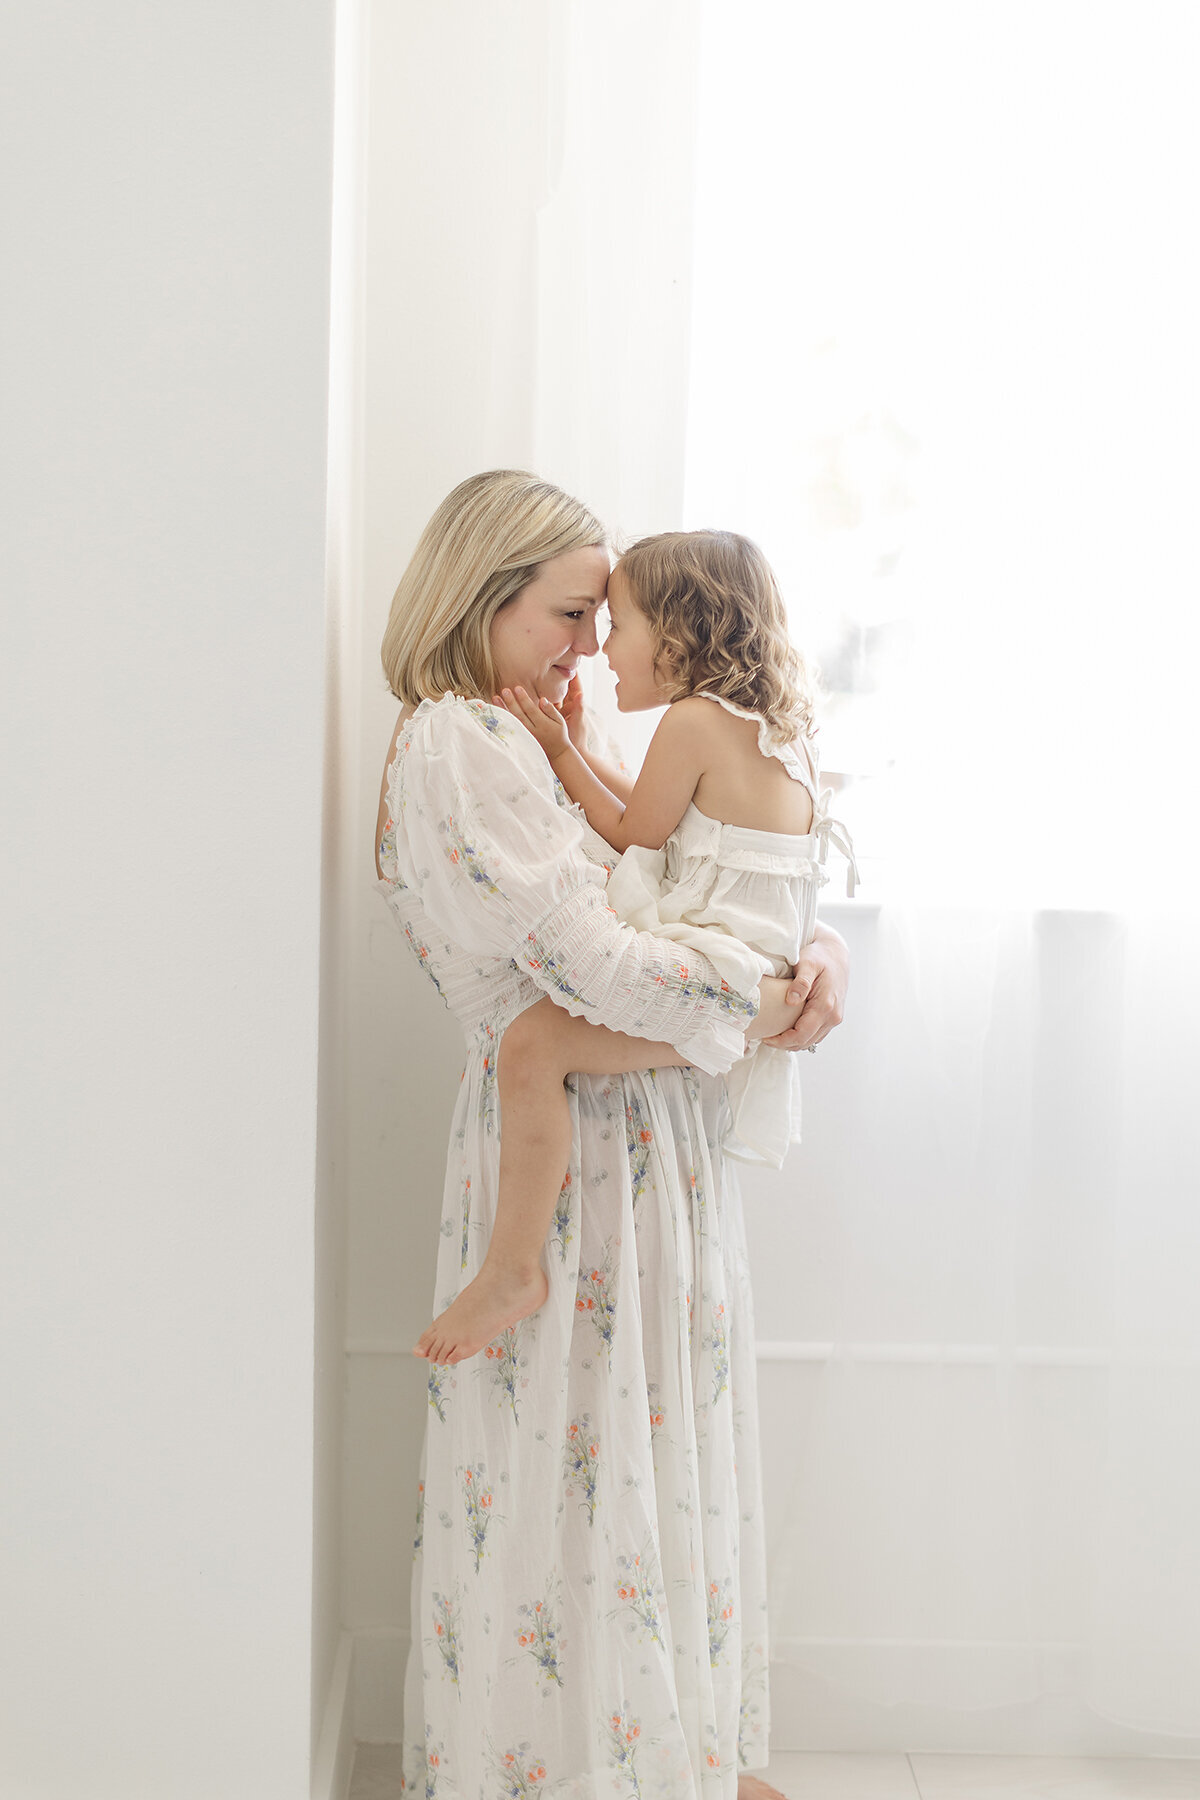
[[589, 1574]]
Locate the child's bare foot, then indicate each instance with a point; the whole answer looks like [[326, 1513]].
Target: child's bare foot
[[486, 1307]]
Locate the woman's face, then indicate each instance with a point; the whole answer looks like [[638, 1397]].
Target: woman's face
[[540, 635]]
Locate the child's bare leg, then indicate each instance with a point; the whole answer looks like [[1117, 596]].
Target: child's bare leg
[[537, 1053]]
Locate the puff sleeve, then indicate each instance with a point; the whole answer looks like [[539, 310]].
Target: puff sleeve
[[498, 864]]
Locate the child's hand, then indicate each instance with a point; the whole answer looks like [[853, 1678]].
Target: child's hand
[[573, 712], [541, 717]]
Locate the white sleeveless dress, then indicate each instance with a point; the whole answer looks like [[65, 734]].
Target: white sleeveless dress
[[748, 900]]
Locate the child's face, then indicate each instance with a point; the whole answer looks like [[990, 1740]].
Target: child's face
[[629, 649]]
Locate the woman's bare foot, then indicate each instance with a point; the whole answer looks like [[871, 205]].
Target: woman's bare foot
[[486, 1307], [753, 1787]]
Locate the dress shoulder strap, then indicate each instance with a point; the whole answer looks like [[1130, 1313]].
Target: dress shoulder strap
[[801, 768], [802, 762]]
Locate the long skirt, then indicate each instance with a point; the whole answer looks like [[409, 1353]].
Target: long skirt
[[589, 1573]]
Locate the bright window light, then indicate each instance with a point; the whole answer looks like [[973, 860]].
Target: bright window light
[[944, 370]]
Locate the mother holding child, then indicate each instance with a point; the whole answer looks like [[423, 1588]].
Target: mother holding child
[[589, 1579]]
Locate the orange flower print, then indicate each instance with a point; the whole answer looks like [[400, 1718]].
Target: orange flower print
[[596, 1298], [562, 1218], [638, 1140], [539, 1635], [518, 1772], [720, 1617], [477, 1499], [581, 1464], [464, 856], [719, 1343], [622, 1737], [446, 1622], [502, 1354], [638, 1595]]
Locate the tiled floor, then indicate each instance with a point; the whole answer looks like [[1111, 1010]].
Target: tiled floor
[[914, 1777]]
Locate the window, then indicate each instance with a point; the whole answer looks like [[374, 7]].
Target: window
[[943, 371]]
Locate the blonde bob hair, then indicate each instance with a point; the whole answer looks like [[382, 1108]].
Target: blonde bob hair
[[485, 542], [720, 625]]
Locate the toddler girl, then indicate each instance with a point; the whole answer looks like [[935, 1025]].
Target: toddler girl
[[724, 835]]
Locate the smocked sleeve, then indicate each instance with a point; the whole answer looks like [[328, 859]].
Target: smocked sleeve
[[499, 865]]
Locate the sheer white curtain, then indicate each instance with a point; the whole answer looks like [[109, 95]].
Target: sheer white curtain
[[943, 368]]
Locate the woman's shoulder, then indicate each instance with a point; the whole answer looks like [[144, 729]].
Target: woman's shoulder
[[477, 735]]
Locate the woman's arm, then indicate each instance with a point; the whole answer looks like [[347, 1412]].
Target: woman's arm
[[821, 978], [488, 857]]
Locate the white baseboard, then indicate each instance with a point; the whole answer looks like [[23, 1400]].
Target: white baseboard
[[811, 1714], [334, 1761]]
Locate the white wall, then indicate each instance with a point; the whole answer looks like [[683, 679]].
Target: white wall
[[166, 331]]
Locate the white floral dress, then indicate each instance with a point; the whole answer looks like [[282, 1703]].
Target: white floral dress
[[748, 900], [589, 1573]]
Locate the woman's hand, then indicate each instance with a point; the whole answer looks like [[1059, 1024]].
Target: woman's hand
[[776, 1016], [539, 716], [819, 985]]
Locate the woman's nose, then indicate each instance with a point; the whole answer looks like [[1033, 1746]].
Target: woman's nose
[[586, 641]]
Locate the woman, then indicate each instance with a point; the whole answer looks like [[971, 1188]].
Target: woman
[[589, 1588]]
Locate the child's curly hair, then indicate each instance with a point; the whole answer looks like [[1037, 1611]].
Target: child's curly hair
[[715, 609]]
